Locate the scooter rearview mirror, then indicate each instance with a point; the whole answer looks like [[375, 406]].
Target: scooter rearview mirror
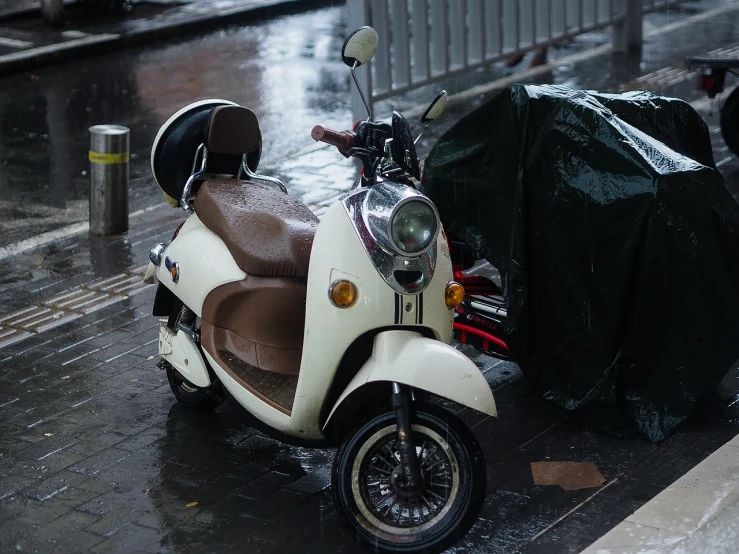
[[436, 108], [359, 47]]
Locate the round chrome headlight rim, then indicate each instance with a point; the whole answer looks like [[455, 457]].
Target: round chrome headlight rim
[[391, 221]]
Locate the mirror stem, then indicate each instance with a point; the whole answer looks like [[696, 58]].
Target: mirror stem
[[364, 100], [422, 132]]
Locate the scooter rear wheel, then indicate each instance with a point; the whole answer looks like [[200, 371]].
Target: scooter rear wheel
[[388, 519], [197, 399]]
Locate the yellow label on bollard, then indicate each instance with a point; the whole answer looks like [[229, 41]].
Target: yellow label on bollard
[[100, 158]]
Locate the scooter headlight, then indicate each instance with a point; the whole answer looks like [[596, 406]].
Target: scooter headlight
[[413, 226]]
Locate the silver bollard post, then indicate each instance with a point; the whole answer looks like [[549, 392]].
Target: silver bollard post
[[108, 179]]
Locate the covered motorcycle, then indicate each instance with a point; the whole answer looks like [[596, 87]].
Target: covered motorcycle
[[616, 239]]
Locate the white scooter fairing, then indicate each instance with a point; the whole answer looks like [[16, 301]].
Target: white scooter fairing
[[410, 332]]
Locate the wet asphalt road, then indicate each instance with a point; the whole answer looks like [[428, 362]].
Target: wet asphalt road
[[286, 69]]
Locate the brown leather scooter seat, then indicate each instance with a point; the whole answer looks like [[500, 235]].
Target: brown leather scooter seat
[[267, 232]]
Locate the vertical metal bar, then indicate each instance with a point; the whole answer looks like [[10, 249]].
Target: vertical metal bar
[[501, 43], [439, 36], [517, 13], [420, 31], [550, 16], [581, 21], [564, 15], [491, 29], [458, 33], [627, 35], [476, 23], [358, 14], [383, 63], [401, 43]]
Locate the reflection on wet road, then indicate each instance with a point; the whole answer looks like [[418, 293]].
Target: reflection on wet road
[[287, 70]]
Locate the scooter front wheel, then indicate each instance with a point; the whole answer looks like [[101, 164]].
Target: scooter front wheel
[[388, 518]]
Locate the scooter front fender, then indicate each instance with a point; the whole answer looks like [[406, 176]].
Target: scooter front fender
[[430, 365]]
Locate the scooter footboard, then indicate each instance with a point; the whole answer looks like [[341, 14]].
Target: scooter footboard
[[408, 358]]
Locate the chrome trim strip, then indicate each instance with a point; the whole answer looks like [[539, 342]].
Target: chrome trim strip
[[381, 203], [249, 173], [155, 253], [386, 263]]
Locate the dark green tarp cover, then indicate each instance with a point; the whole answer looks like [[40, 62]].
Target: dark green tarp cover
[[616, 239]]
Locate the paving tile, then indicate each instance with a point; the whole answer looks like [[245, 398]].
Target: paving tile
[[629, 535], [132, 538], [83, 300], [47, 447], [13, 484], [115, 520], [141, 440], [69, 523], [124, 284], [264, 486], [693, 498], [96, 463], [10, 336], [38, 318], [313, 482]]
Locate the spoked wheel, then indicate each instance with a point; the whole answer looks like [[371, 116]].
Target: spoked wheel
[[370, 497], [730, 121]]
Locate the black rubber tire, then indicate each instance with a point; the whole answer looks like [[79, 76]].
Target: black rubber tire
[[730, 121], [464, 509], [197, 399]]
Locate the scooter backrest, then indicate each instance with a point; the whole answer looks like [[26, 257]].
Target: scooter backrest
[[232, 130]]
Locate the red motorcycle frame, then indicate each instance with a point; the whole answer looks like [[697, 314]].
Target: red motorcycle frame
[[480, 319]]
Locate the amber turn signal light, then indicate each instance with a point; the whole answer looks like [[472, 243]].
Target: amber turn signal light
[[342, 293], [453, 295]]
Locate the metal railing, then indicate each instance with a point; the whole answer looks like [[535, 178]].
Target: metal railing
[[426, 41]]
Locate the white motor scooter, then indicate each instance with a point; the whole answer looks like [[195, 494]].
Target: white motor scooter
[[330, 333]]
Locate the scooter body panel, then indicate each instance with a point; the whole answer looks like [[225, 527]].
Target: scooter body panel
[[256, 406], [203, 263], [337, 254], [183, 354], [408, 358]]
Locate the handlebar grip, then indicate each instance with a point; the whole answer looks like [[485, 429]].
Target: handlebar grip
[[343, 140]]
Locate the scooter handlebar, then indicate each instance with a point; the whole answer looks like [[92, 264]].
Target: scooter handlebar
[[343, 140]]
